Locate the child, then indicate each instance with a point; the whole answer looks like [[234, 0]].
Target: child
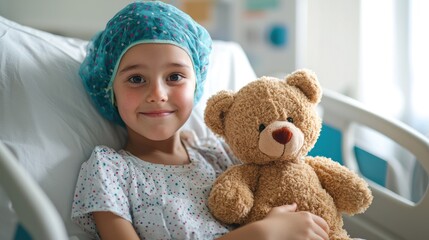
[[146, 71]]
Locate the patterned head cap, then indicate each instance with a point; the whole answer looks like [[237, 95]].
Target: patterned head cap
[[137, 23]]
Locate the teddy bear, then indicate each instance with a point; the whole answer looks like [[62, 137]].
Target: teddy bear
[[270, 125]]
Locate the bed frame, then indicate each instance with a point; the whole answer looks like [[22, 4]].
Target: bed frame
[[390, 216]]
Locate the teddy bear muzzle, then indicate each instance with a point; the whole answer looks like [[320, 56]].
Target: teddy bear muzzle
[[281, 140]]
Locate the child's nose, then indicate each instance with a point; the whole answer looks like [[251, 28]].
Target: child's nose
[[157, 92]]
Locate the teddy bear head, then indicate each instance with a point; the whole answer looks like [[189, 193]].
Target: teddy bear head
[[269, 119]]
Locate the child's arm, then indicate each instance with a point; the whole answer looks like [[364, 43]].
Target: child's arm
[[283, 223], [112, 227]]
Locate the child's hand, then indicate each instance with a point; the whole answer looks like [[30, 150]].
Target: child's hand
[[284, 223]]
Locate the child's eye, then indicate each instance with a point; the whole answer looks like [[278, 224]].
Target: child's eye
[[175, 77], [136, 79]]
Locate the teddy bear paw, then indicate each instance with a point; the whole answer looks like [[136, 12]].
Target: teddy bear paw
[[230, 205]]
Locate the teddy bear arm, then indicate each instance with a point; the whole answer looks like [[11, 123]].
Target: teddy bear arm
[[231, 197], [350, 192]]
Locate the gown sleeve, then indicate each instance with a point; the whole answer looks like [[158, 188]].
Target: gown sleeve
[[102, 185]]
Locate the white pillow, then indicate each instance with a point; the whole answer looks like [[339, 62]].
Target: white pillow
[[48, 121], [46, 118]]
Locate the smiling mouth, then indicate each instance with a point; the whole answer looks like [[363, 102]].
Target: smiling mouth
[[156, 114]]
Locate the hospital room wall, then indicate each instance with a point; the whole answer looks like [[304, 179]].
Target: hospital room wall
[[330, 46], [333, 43]]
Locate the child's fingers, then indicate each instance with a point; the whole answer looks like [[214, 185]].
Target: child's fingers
[[287, 208], [322, 228]]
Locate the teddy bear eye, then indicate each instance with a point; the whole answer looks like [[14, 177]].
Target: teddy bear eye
[[289, 119], [261, 127]]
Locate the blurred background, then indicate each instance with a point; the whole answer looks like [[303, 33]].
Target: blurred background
[[373, 51]]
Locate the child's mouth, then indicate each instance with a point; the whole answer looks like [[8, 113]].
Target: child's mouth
[[155, 114]]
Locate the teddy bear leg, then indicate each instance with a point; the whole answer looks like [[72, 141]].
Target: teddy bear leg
[[339, 234], [230, 204], [258, 212]]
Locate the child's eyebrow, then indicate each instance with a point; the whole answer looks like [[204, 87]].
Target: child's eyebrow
[[172, 64], [130, 67], [179, 64]]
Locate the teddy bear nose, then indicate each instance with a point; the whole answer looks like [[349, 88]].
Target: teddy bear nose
[[282, 135]]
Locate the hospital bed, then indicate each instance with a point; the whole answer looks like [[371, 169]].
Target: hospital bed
[[48, 127]]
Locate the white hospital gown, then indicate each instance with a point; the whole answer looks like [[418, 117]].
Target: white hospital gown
[[161, 201]]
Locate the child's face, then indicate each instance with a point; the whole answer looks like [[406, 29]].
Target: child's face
[[154, 90]]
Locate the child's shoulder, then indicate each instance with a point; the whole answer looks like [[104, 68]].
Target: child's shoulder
[[102, 149], [104, 155]]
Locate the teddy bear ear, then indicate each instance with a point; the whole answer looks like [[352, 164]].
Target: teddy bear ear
[[306, 81], [217, 107]]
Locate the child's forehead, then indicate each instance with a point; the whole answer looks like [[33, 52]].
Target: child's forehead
[[157, 52], [147, 49]]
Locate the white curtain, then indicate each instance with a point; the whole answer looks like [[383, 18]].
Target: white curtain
[[419, 63], [394, 56], [419, 94]]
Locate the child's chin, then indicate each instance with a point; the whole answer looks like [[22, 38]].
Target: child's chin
[[161, 136]]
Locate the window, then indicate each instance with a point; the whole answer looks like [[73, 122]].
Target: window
[[393, 81]]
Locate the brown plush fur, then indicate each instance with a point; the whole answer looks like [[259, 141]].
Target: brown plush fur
[[271, 125]]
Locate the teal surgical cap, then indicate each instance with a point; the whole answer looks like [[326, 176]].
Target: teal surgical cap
[[141, 22]]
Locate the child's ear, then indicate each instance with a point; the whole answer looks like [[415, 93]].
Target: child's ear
[[216, 110]]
